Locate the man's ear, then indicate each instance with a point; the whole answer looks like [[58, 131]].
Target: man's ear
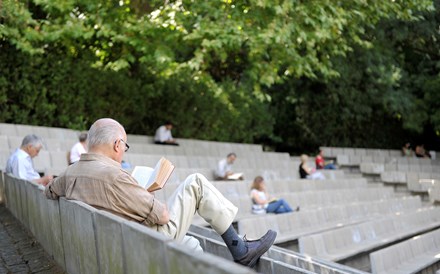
[[116, 146]]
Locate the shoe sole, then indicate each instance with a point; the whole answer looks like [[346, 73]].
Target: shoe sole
[[270, 241]]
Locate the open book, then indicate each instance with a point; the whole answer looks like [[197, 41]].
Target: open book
[[329, 162], [235, 176], [153, 179]]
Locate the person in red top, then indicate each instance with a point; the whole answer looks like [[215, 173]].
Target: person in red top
[[321, 164]]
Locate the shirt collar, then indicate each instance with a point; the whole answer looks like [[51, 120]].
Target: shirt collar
[[98, 157], [24, 153]]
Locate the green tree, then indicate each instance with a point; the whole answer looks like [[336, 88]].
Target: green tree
[[220, 69]]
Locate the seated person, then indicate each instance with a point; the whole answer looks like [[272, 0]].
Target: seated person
[[224, 169], [407, 151], [125, 165], [321, 164], [99, 180], [163, 135], [263, 203], [308, 173], [20, 162], [78, 149], [421, 152]]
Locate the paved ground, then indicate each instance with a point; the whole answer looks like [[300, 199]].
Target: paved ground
[[19, 252]]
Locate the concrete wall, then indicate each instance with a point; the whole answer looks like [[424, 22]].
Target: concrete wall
[[2, 189], [83, 239]]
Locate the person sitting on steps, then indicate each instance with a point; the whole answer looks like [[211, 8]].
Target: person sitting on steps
[[99, 180], [263, 203]]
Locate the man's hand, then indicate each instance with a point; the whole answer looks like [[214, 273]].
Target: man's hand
[[44, 180], [165, 218]]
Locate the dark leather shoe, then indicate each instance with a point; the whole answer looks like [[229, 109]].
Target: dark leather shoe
[[257, 248]]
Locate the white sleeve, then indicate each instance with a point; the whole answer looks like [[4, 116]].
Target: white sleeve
[[26, 170], [75, 152], [162, 134], [221, 171]]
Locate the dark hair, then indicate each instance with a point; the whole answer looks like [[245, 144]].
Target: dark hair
[[83, 137], [231, 154], [169, 123]]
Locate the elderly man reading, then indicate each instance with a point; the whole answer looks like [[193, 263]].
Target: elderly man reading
[[20, 162], [224, 169], [98, 179]]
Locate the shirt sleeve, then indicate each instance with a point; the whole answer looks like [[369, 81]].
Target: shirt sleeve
[[134, 200], [220, 170], [164, 134], [74, 154], [56, 188], [25, 170], [18, 169]]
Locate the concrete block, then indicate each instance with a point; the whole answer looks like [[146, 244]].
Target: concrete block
[[387, 177], [343, 160], [349, 151], [217, 248], [24, 215], [33, 208], [366, 159], [16, 197], [283, 268], [355, 160], [283, 255], [371, 168], [265, 265], [393, 176], [335, 151], [8, 129], [145, 250], [68, 231], [109, 242], [206, 232], [2, 189], [78, 237], [42, 233], [10, 201], [181, 260], [54, 225], [15, 202], [360, 152], [306, 263]]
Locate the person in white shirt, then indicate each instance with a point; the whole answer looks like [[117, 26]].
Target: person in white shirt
[[78, 149], [20, 162], [224, 168], [163, 135]]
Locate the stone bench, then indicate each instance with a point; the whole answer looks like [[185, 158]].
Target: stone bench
[[417, 255], [341, 244], [291, 226], [276, 260], [83, 239]]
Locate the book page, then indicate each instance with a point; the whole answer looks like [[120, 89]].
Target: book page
[[142, 174], [153, 179], [160, 175], [235, 176]]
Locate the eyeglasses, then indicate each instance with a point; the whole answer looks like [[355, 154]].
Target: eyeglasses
[[126, 145]]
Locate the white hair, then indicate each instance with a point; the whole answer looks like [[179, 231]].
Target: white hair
[[32, 140], [104, 131]]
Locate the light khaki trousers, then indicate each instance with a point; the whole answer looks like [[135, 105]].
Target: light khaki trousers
[[197, 194]]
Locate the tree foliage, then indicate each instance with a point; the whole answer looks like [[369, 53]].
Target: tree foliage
[[293, 74]]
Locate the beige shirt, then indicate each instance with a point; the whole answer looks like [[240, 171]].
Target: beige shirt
[[101, 182]]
